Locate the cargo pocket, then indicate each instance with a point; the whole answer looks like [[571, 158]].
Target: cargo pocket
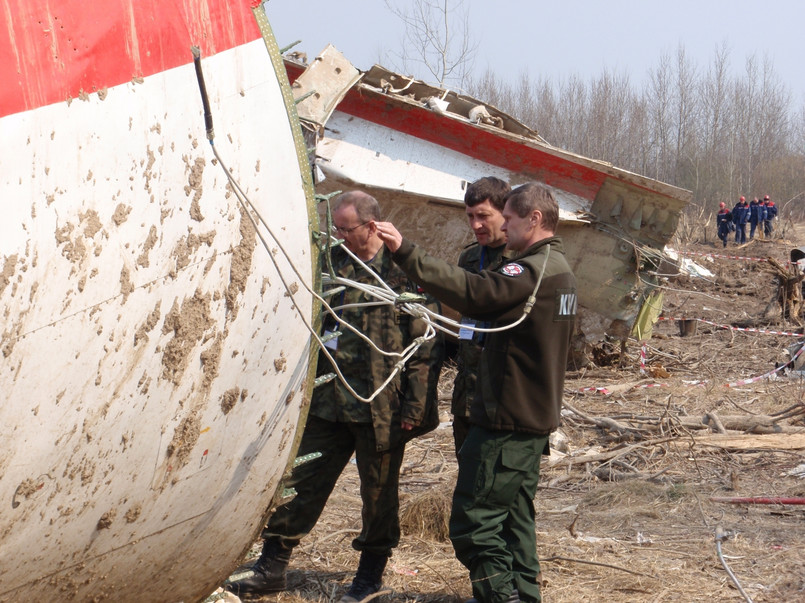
[[510, 470]]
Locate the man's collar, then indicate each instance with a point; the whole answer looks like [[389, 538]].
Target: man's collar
[[553, 240]]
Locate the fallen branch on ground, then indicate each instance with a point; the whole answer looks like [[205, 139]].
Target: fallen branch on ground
[[616, 567]]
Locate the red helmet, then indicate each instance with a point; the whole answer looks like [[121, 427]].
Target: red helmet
[[742, 198], [766, 198], [721, 204]]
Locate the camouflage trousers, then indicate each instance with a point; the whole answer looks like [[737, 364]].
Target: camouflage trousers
[[314, 481], [492, 521]]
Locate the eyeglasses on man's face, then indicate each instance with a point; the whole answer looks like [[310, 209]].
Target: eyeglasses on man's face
[[346, 231]]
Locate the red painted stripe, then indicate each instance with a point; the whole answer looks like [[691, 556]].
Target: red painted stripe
[[461, 136], [478, 143], [53, 50]]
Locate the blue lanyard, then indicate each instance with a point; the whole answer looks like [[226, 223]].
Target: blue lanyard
[[341, 303]]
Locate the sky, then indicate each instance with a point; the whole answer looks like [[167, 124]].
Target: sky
[[561, 38]]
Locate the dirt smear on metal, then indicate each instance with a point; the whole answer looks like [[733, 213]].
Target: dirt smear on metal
[[188, 323], [241, 263]]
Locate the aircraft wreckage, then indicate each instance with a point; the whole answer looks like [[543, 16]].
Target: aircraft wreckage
[[155, 359], [416, 147], [156, 348]]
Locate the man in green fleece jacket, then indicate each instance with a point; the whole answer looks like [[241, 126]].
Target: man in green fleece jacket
[[483, 203], [530, 301]]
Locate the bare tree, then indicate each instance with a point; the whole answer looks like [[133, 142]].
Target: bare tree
[[746, 100], [715, 130], [799, 132], [492, 90], [574, 118], [536, 104], [686, 168], [660, 105], [437, 38], [713, 93], [773, 117], [637, 143], [609, 102]]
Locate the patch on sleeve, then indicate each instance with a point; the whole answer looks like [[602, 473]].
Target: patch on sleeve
[[565, 304], [512, 269]]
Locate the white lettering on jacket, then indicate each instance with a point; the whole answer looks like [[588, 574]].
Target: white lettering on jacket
[[566, 302]]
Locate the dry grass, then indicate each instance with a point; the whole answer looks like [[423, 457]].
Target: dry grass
[[426, 515]]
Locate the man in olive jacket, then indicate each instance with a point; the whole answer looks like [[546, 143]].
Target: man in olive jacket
[[339, 424], [483, 203], [530, 301]]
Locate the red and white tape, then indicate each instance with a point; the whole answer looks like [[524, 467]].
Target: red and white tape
[[765, 375], [731, 328], [721, 255], [597, 390], [605, 392], [643, 346], [728, 257], [643, 354]]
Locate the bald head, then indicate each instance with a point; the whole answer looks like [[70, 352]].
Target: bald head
[[366, 206], [355, 214]]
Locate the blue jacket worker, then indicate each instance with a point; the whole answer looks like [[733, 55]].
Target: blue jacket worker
[[771, 213], [724, 222], [757, 214], [740, 214]]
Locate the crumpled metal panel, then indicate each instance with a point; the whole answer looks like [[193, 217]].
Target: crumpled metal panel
[[323, 84], [388, 137]]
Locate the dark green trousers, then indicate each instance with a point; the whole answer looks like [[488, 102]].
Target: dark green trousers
[[314, 482], [461, 427], [492, 521]]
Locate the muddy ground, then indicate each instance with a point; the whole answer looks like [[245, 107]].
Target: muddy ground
[[625, 513]]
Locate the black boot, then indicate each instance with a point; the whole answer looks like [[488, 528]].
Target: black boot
[[267, 574], [368, 578], [513, 598]]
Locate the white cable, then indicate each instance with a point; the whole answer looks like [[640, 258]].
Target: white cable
[[246, 204], [383, 293]]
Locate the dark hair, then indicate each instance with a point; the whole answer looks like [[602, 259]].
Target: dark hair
[[535, 196], [485, 188], [366, 206]]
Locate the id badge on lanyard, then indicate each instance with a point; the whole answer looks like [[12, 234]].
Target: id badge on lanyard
[[465, 332], [331, 344]]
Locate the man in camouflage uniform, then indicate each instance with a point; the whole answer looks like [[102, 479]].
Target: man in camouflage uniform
[[484, 201], [519, 391], [339, 424]]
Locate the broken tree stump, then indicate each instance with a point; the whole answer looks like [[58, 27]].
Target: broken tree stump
[[789, 291]]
